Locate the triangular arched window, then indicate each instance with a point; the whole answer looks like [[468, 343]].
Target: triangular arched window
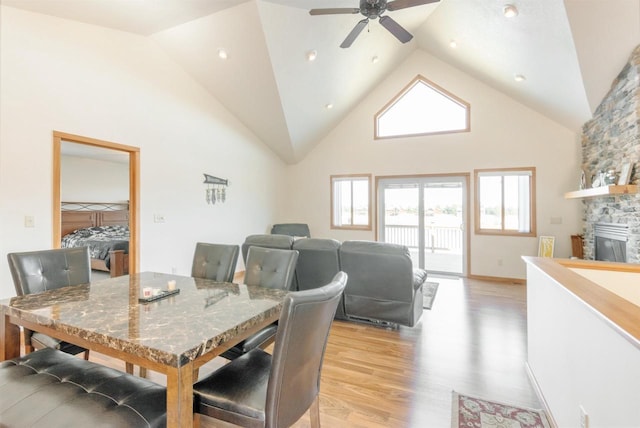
[[422, 108]]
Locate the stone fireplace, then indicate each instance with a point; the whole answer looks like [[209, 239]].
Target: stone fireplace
[[610, 139]]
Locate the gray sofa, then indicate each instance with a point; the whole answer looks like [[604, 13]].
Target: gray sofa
[[382, 288]]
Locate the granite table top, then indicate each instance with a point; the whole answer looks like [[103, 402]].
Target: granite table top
[[171, 331]]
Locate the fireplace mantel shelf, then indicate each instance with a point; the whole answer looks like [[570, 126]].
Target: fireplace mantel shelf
[[602, 191]]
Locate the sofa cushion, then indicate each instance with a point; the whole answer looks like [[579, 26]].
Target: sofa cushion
[[318, 263], [292, 229]]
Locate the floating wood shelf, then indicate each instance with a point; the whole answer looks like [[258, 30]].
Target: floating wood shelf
[[603, 191]]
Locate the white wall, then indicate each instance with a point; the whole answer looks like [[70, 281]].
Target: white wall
[[90, 81], [578, 359], [93, 180], [503, 133]]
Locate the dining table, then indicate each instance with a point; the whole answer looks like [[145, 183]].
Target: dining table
[[167, 323]]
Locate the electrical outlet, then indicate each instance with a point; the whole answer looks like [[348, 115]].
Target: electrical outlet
[[158, 218], [174, 270], [584, 418], [29, 221], [500, 262]]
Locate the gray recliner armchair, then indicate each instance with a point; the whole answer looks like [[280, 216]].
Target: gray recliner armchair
[[383, 286]]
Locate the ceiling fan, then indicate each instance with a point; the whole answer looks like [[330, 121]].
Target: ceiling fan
[[373, 9]]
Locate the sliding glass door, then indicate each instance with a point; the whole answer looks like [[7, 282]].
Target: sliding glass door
[[428, 214]]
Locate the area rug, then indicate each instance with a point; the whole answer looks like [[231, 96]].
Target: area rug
[[472, 412], [429, 294]]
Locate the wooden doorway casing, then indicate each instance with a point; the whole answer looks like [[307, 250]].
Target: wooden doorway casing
[[134, 190]]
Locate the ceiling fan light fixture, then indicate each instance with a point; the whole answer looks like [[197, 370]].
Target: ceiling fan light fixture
[[510, 11], [374, 9], [519, 78], [375, 59], [222, 54], [328, 106], [312, 55], [453, 44]]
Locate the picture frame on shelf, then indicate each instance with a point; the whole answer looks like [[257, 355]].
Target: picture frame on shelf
[[545, 246], [585, 180], [625, 174]]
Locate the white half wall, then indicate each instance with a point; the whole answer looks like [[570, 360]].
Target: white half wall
[[80, 79], [579, 358], [504, 133]]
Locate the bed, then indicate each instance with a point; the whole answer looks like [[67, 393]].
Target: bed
[[104, 228]]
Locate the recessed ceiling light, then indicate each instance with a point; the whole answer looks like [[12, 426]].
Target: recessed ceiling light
[[510, 11], [312, 55], [222, 54], [519, 78], [453, 44], [375, 59], [328, 106]]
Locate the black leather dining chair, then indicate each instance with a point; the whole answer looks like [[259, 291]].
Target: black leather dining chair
[[215, 261], [39, 271], [271, 268], [261, 390]]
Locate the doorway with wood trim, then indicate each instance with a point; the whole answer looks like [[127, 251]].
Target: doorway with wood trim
[[133, 154]]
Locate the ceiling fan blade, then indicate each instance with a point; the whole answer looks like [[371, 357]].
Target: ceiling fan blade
[[403, 4], [354, 33], [333, 11], [394, 28]]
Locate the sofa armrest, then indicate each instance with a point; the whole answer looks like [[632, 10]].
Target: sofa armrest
[[419, 278]]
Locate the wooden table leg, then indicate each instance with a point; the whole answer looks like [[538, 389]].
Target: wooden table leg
[[10, 339], [180, 397]]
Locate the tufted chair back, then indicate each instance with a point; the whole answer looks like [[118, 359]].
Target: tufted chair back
[[215, 261], [270, 267], [38, 271]]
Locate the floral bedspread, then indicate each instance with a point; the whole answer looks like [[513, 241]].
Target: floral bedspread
[[100, 240]]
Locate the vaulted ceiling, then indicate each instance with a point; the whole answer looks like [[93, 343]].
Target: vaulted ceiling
[[569, 52]]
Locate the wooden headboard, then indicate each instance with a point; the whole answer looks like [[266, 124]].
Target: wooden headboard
[[79, 215]]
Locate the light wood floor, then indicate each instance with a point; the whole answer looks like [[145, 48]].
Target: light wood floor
[[472, 341]]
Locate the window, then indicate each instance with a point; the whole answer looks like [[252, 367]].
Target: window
[[422, 108], [351, 202], [505, 201]]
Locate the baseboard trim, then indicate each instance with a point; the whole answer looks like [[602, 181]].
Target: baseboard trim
[[539, 394], [518, 281]]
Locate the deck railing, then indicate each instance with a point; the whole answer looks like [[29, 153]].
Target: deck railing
[[437, 237]]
